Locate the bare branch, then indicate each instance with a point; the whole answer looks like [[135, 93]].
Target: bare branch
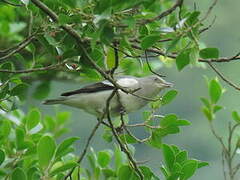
[[12, 4], [17, 48], [223, 77], [82, 49], [100, 120], [115, 48], [149, 66], [85, 148], [218, 138], [123, 148], [51, 67], [163, 14], [223, 166]]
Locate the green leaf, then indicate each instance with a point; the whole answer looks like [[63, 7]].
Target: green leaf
[[215, 90], [169, 157], [164, 171], [5, 128], [110, 58], [217, 108], [42, 90], [181, 157], [126, 138], [193, 18], [107, 34], [20, 139], [19, 90], [108, 173], [64, 19], [33, 118], [63, 168], [206, 102], [183, 59], [209, 53], [65, 145], [32, 172], [19, 174], [45, 150], [98, 56], [182, 122], [120, 157], [156, 139], [146, 171], [107, 135], [126, 172], [104, 158], [62, 117], [70, 53], [207, 113], [202, 164], [189, 169], [168, 120], [2, 156], [149, 40], [236, 116], [143, 30], [172, 45], [168, 97]]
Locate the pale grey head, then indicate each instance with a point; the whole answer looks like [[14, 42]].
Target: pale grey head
[[155, 81]]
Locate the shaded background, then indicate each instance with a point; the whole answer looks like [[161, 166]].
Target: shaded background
[[190, 83]]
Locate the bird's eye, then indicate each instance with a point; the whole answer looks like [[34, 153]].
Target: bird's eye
[[156, 79]]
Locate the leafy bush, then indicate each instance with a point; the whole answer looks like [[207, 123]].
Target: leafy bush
[[91, 40]]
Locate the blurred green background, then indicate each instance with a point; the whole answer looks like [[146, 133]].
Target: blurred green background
[[197, 138]]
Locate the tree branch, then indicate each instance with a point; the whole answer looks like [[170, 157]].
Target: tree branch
[[82, 49], [223, 77], [163, 14], [12, 4], [50, 67], [16, 48], [123, 148]]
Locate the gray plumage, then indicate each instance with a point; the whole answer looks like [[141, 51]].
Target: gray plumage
[[92, 98]]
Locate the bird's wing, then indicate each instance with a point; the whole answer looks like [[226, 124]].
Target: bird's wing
[[125, 82], [96, 87]]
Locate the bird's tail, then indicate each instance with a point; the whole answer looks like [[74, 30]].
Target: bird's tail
[[54, 101]]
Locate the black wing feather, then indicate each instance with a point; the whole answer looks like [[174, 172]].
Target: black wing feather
[[92, 88]]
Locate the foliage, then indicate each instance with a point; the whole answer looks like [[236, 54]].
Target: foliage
[[230, 145]]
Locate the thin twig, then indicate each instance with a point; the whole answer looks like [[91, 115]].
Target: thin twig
[[100, 120], [18, 47], [116, 57], [81, 47], [223, 77], [30, 23], [223, 166], [149, 66], [218, 138], [143, 125], [50, 67], [163, 14], [123, 148], [12, 4], [85, 148]]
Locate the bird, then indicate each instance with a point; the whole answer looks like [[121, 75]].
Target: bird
[[92, 98]]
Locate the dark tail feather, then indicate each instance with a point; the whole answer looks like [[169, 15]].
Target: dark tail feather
[[53, 101]]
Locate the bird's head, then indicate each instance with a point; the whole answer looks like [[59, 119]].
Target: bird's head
[[158, 82]]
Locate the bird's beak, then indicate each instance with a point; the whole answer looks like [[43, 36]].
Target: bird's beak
[[167, 84]]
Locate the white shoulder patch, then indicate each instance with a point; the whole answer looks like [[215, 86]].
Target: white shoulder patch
[[128, 82], [107, 83]]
